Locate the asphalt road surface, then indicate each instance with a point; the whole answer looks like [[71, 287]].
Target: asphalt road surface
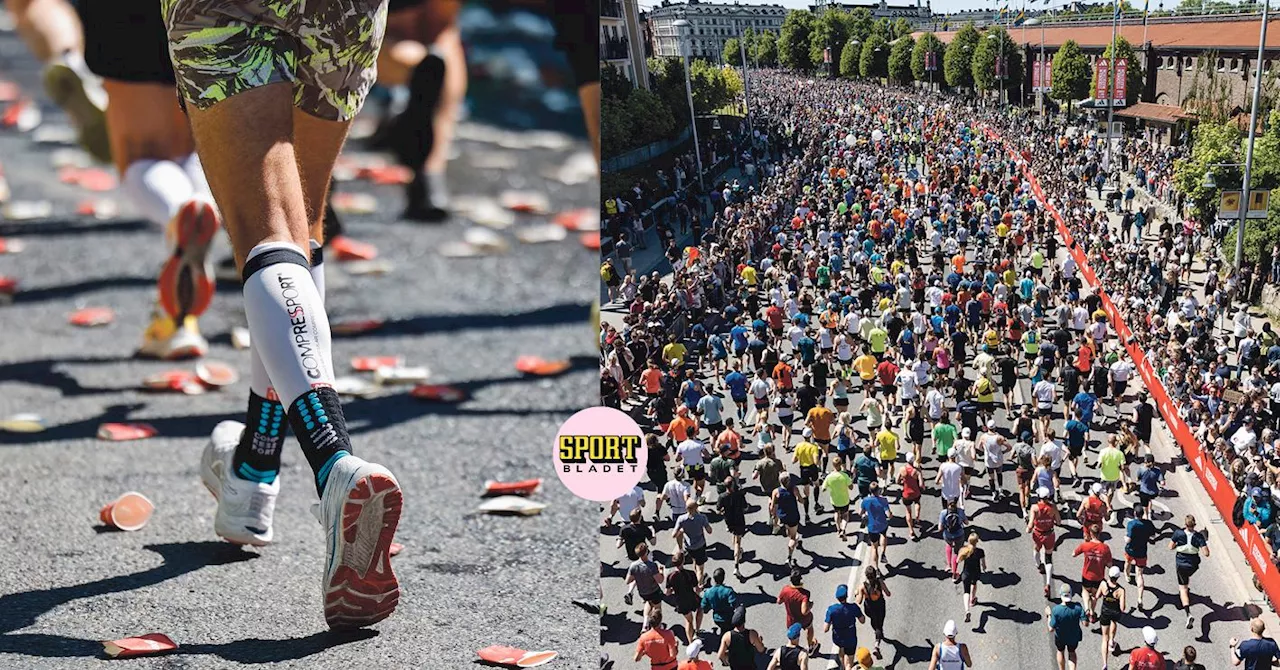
[[1008, 624], [468, 580]]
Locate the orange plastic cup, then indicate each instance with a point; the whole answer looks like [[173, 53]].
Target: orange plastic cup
[[129, 512]]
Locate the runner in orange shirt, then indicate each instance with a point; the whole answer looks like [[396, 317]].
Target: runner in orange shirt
[[658, 644], [683, 427]]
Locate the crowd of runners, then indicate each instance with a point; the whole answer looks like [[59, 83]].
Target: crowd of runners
[[885, 338], [233, 114]]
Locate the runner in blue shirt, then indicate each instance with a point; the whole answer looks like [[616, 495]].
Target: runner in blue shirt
[[737, 383], [842, 622], [875, 515]]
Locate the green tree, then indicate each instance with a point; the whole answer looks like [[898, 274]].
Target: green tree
[[615, 127], [711, 89], [902, 27], [1209, 94], [793, 44], [1070, 73], [849, 59], [958, 57], [765, 49], [667, 75], [860, 24], [874, 61], [612, 83], [900, 60], [927, 42], [732, 54], [1133, 75], [651, 119], [1216, 143], [995, 42], [831, 29]]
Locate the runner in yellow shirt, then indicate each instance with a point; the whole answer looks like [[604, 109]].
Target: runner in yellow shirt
[[887, 441], [807, 455]]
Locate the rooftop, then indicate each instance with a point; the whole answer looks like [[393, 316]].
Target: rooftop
[[1191, 35]]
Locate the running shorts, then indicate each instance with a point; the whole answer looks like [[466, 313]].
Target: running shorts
[[698, 556], [697, 472], [1140, 562], [1046, 541], [1063, 646], [1090, 584], [327, 50], [125, 40], [1024, 476], [809, 474], [1184, 575], [654, 598]]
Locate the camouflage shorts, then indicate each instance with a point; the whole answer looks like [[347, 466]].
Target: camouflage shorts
[[326, 48]]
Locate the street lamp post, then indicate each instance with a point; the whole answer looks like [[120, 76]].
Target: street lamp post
[[1111, 74], [746, 84], [1040, 94], [682, 26]]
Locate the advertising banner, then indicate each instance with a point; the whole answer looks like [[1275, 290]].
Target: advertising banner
[[1103, 83], [1120, 99]]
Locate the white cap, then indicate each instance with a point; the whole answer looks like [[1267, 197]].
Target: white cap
[[1149, 635], [808, 432], [1096, 488], [1042, 492], [911, 457], [1114, 572], [949, 628], [964, 433], [694, 648]]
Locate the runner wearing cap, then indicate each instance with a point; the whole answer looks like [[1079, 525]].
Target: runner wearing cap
[[994, 447], [692, 662], [657, 643], [798, 604], [949, 654], [1041, 524], [964, 450], [791, 656], [1112, 598], [950, 478], [1093, 510], [951, 522], [1064, 621], [1147, 657], [1188, 545], [842, 621], [738, 647]]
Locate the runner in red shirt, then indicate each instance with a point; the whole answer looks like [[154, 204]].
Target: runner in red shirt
[[1097, 558], [774, 316], [795, 598], [783, 375], [1092, 509], [1043, 521], [912, 488], [887, 371], [1146, 657]]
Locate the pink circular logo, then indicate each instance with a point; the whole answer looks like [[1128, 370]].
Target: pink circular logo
[[600, 453]]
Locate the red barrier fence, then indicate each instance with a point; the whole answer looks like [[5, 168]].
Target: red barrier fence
[[1255, 547]]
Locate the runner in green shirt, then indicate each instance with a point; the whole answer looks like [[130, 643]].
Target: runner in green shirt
[[944, 435], [838, 484], [879, 340], [1111, 464]]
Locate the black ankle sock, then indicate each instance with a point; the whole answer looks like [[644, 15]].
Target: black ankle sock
[[257, 457], [317, 421]]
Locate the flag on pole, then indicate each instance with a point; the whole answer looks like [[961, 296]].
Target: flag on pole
[[1117, 9], [1022, 16], [1146, 11]]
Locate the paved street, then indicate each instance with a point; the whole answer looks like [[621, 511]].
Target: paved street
[[1008, 626], [469, 581]]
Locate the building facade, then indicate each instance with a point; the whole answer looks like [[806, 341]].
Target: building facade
[[918, 14], [1178, 54], [712, 25], [622, 41]]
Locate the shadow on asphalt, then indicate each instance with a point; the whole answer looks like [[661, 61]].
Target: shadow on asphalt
[[363, 414], [61, 291], [447, 323], [19, 610], [77, 227]]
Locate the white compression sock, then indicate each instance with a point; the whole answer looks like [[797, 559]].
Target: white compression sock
[[157, 188], [287, 321], [317, 266], [195, 172]]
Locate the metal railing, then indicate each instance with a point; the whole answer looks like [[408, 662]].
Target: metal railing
[[614, 49]]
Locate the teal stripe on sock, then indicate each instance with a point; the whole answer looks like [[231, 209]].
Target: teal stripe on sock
[[323, 475], [249, 474]]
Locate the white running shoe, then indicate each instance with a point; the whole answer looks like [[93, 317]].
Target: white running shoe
[[74, 88], [245, 508], [360, 509]]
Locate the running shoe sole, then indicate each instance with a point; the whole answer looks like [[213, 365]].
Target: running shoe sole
[[186, 282], [363, 589], [66, 89]]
